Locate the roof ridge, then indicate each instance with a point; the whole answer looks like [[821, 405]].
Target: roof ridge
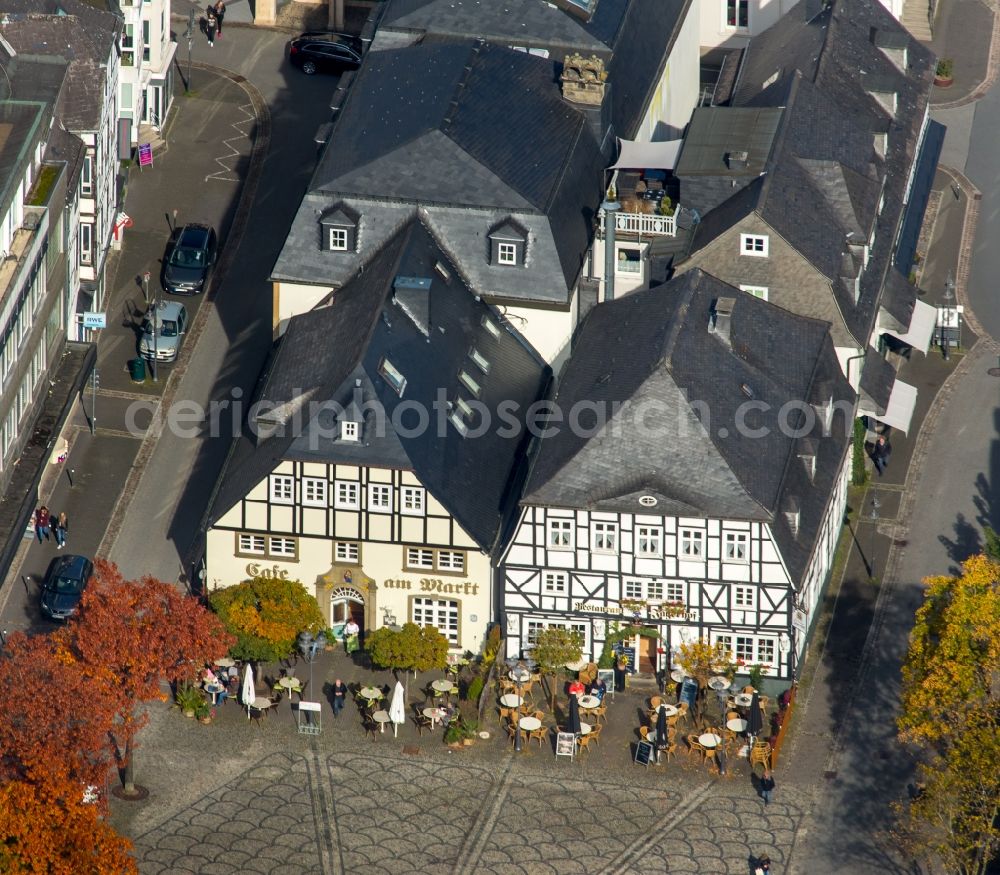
[[456, 96]]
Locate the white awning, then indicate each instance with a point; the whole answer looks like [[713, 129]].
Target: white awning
[[921, 331], [635, 155], [899, 411]]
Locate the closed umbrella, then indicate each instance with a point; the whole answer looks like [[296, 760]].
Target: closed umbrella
[[397, 708], [249, 693], [573, 724], [755, 722], [661, 732]]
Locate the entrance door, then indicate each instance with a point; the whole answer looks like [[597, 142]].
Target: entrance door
[[647, 655], [346, 604]]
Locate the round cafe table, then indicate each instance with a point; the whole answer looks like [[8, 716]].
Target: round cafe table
[[261, 703], [372, 694], [743, 700], [669, 710], [225, 662], [381, 718], [589, 702], [434, 715], [719, 683], [579, 665], [511, 700], [709, 740], [585, 728], [678, 675], [737, 725], [290, 683], [444, 686], [530, 724]]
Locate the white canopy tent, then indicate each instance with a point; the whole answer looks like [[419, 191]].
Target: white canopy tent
[[636, 155]]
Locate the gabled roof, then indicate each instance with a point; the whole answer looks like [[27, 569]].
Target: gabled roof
[[686, 391], [638, 35], [335, 354]]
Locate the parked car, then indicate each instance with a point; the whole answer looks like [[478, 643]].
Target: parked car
[[325, 51], [189, 265], [64, 584], [171, 323]]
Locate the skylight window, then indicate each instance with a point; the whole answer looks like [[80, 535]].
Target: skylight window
[[479, 360], [456, 420], [469, 382], [392, 376], [463, 407], [491, 326]]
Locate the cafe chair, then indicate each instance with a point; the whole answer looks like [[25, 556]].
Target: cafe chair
[[370, 726], [595, 733], [540, 735], [670, 750], [511, 731], [506, 712], [733, 715], [695, 746], [655, 703], [764, 702], [585, 740], [682, 711], [539, 715], [644, 733], [672, 721], [422, 722], [255, 715], [749, 690], [601, 712]]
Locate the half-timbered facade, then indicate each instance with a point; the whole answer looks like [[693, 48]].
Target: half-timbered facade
[[706, 498], [376, 474]]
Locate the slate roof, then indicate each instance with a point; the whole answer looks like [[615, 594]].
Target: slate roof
[[637, 36], [76, 31], [655, 352], [487, 137], [334, 354], [899, 299]]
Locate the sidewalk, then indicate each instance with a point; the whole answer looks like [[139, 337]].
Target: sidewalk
[[965, 32]]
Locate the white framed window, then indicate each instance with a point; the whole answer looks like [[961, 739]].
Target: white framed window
[[380, 497], [554, 581], [753, 244], [629, 261], [604, 537], [743, 596], [726, 642], [87, 171], [412, 500], [391, 374], [439, 613], [450, 561], [692, 543], [675, 591], [282, 488], [507, 253], [419, 557], [251, 544], [479, 360], [533, 627], [281, 547], [765, 651], [349, 431], [559, 534], [314, 491], [346, 551], [346, 496], [491, 327], [338, 239], [654, 589], [470, 382], [738, 14], [745, 648], [648, 541], [86, 243], [756, 291], [735, 546], [632, 589]]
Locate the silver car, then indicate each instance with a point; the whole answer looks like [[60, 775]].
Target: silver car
[[171, 323]]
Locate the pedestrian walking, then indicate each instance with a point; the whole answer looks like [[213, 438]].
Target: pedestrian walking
[[61, 528], [42, 523], [220, 15], [211, 22], [767, 786], [339, 695], [881, 453], [763, 866]]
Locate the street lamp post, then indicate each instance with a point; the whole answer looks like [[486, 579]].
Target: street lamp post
[[949, 295], [189, 35], [519, 675], [875, 507]]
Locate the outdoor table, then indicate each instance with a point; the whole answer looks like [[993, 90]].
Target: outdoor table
[[530, 724], [213, 690], [225, 662], [588, 703], [261, 703], [579, 665], [434, 714], [585, 728], [678, 675], [743, 700], [444, 686], [381, 718], [669, 710], [290, 684], [719, 682], [709, 740], [510, 700], [372, 694], [737, 725]]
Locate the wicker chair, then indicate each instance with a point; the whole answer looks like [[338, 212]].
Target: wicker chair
[[601, 712], [540, 735], [682, 711], [585, 740], [670, 750], [655, 703], [695, 747], [595, 733], [644, 733], [422, 722]]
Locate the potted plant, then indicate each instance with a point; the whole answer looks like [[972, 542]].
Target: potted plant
[[188, 699], [944, 73], [204, 713], [756, 675]]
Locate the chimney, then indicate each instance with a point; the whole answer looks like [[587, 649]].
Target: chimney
[[739, 160], [608, 210], [583, 79], [722, 316]]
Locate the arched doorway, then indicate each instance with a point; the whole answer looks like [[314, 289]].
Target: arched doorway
[[346, 603]]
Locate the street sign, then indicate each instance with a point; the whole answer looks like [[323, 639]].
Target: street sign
[[95, 320], [145, 154]]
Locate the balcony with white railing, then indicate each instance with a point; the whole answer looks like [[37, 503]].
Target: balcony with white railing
[[653, 224]]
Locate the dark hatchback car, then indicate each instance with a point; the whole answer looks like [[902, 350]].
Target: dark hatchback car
[[64, 584], [325, 52], [187, 268]]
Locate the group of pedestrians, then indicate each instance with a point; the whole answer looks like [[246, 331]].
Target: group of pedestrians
[[212, 23], [49, 523]]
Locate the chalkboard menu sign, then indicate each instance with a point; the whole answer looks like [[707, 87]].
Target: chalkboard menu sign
[[643, 753], [628, 655], [565, 744], [689, 692]]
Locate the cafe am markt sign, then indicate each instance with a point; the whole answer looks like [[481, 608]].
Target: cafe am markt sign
[[425, 584]]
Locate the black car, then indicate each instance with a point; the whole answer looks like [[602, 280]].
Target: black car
[[186, 270], [325, 52], [64, 584]]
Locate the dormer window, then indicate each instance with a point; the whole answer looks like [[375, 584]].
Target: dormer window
[[392, 376], [470, 382], [753, 244], [339, 229], [479, 360], [508, 244], [349, 431], [491, 327]]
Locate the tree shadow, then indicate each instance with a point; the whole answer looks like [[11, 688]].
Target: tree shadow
[[967, 541]]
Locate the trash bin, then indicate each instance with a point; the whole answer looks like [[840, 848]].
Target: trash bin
[[138, 370]]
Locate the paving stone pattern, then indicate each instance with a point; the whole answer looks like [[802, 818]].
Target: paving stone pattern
[[360, 813]]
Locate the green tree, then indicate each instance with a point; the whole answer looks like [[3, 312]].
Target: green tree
[[992, 548], [554, 647], [266, 616], [410, 648]]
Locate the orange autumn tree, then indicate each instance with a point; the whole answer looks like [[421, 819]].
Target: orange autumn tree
[[133, 635], [57, 834], [55, 719]]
